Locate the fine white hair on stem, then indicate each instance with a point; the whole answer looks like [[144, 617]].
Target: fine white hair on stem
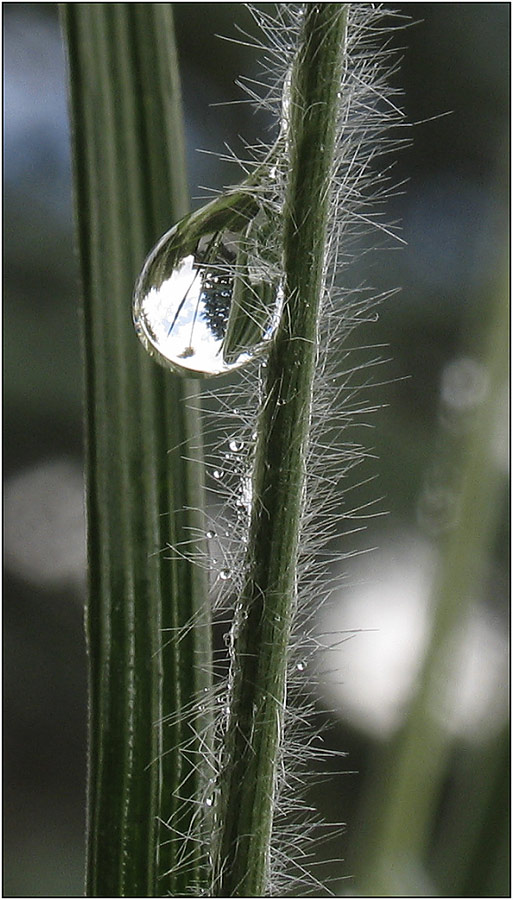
[[369, 116]]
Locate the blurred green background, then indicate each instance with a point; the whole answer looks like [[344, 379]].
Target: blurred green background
[[446, 397]]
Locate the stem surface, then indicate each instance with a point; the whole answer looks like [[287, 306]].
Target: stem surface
[[263, 619], [143, 457]]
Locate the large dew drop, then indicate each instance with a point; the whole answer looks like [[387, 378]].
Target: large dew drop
[[208, 298]]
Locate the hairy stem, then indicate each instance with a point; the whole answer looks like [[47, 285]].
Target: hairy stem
[[143, 455], [263, 619]]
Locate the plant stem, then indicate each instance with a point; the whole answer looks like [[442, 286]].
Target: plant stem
[[403, 815], [130, 186], [263, 620]]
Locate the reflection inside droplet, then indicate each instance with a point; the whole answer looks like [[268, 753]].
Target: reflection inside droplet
[[206, 301]]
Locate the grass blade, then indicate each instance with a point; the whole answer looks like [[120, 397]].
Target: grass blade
[[130, 186]]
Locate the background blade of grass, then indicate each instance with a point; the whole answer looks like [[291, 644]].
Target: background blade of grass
[[405, 805], [143, 454]]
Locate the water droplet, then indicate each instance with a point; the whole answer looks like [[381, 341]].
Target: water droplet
[[245, 493], [209, 801], [224, 574], [208, 298], [236, 446], [301, 666], [218, 474], [211, 534]]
